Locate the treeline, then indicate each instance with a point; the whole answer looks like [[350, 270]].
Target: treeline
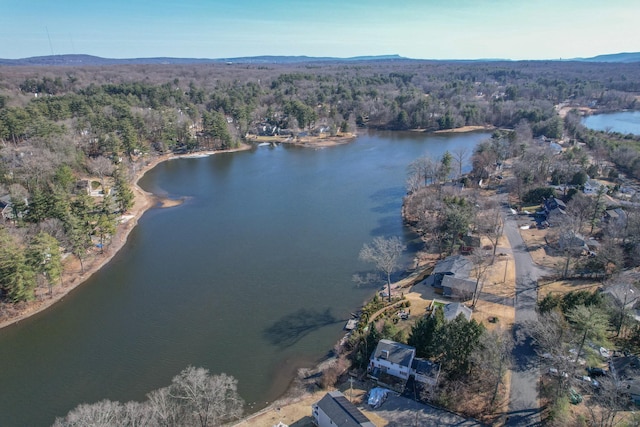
[[194, 398], [62, 125]]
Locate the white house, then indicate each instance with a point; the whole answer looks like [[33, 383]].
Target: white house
[[399, 361], [393, 359], [334, 410]]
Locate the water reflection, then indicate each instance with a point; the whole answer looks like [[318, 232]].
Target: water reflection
[[291, 328]]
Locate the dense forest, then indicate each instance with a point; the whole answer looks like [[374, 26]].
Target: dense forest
[[67, 133]]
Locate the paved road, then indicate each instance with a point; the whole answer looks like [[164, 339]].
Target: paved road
[[524, 404]]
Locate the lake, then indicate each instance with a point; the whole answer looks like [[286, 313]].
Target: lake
[[624, 122], [251, 276]]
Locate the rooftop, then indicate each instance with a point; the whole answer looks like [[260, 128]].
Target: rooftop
[[394, 352], [342, 412]]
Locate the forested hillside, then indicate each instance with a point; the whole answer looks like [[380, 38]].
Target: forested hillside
[[71, 138]]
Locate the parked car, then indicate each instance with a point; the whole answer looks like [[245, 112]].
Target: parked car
[[377, 396]]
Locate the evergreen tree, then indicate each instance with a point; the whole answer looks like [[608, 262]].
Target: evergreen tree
[[17, 278], [43, 256], [424, 333], [79, 236], [105, 222], [457, 340], [124, 196]]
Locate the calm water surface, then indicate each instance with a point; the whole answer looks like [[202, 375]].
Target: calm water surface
[[250, 276], [624, 122]]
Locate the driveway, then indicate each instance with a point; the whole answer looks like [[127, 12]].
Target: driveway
[[402, 412]]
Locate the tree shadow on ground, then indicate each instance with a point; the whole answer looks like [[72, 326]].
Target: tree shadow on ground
[[293, 327]]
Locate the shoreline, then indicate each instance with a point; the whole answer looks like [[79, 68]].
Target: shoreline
[[308, 141], [73, 277]]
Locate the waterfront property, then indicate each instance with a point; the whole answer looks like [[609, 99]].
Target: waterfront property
[[392, 358], [457, 266], [392, 363], [334, 410]]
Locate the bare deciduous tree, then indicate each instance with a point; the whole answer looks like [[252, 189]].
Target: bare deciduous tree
[[205, 400], [490, 224], [385, 255], [460, 156], [492, 359], [102, 167], [194, 398]]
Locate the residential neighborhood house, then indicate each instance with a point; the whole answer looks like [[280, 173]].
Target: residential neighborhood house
[[592, 187], [456, 288], [334, 410], [457, 266], [398, 361], [393, 359]]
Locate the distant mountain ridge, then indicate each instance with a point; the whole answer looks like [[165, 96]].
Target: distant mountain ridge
[[79, 59], [90, 60], [625, 57]]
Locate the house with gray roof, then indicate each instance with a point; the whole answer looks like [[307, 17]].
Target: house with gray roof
[[624, 295], [592, 186], [454, 287], [334, 410], [457, 266], [392, 358]]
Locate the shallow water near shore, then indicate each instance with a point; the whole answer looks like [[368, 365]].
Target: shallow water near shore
[[251, 276]]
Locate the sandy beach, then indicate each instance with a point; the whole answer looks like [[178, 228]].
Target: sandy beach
[[73, 276]]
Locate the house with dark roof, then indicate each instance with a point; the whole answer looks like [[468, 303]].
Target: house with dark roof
[[425, 371], [391, 358], [552, 210], [334, 410], [457, 288], [458, 266], [616, 216]]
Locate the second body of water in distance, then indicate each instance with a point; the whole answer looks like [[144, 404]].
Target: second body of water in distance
[[251, 276], [624, 122]]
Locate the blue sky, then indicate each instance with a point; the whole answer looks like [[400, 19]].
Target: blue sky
[[439, 29]]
